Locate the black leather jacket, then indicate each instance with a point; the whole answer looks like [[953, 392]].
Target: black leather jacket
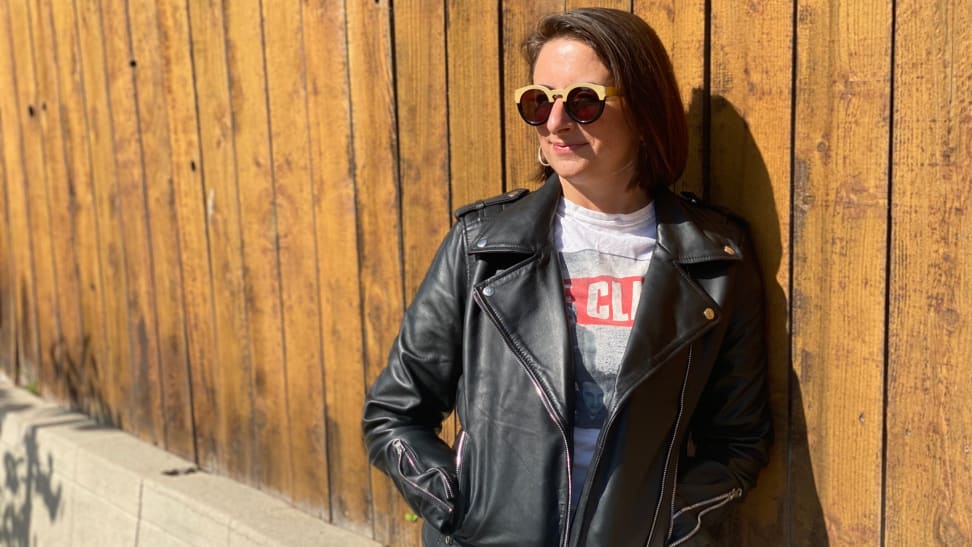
[[487, 335]]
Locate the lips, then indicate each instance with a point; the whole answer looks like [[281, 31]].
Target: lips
[[564, 147]]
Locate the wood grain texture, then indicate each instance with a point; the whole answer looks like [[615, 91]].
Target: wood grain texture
[[839, 231], [520, 143], [59, 204], [232, 363], [328, 109], [78, 357], [251, 138], [8, 293], [423, 162], [191, 231], [680, 25], [749, 156], [475, 101], [114, 326], [153, 115], [25, 351], [30, 101], [624, 5], [375, 152], [298, 255], [929, 445], [139, 376]]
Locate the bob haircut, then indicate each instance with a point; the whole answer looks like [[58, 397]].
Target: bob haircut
[[634, 55]]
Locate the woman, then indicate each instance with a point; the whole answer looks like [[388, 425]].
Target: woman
[[600, 339]]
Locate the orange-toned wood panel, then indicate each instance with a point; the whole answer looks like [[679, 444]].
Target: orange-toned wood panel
[[624, 5], [8, 329], [749, 156], [420, 76], [929, 443], [251, 138], [519, 19], [30, 101], [377, 199], [79, 356], [59, 197], [328, 110], [190, 206], [475, 101], [839, 264], [680, 25], [150, 77], [24, 351], [231, 370], [139, 377], [287, 98], [110, 399], [8, 323]]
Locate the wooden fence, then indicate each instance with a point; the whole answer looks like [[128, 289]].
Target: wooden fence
[[214, 213]]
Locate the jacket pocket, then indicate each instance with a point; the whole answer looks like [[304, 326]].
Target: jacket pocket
[[687, 521], [431, 491]]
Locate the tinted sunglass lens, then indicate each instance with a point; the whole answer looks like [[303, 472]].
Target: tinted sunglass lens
[[534, 107], [584, 104]]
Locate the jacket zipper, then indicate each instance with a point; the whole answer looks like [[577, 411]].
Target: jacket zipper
[[404, 452], [548, 406], [671, 446], [719, 500]]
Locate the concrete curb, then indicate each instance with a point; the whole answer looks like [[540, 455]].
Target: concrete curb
[[68, 481]]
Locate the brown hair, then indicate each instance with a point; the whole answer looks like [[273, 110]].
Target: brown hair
[[631, 50]]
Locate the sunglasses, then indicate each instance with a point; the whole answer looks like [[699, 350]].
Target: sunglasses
[[584, 102]]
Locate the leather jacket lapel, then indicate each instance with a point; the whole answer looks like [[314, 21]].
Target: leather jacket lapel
[[526, 300]]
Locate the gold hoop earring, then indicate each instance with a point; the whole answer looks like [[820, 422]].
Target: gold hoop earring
[[543, 161]]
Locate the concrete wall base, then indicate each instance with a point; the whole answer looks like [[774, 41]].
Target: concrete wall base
[[68, 481]]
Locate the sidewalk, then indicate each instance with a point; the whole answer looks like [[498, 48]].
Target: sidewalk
[[68, 481]]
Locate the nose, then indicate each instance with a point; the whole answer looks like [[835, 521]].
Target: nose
[[558, 119]]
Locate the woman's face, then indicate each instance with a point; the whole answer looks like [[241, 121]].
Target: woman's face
[[595, 159]]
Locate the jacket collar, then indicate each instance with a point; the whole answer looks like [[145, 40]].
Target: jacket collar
[[525, 226]]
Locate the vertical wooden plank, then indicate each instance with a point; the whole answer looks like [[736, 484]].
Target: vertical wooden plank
[[85, 388], [139, 377], [624, 5], [108, 400], [680, 25], [420, 76], [475, 100], [26, 351], [340, 292], [163, 228], [251, 138], [293, 194], [232, 362], [929, 467], [376, 178], [60, 203], [751, 82], [519, 19], [190, 206], [8, 294], [839, 224], [35, 188]]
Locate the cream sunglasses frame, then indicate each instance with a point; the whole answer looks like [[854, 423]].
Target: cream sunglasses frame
[[603, 92]]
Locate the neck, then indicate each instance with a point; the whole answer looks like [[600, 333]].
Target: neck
[[607, 198]]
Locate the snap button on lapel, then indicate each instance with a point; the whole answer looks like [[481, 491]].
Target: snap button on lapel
[[709, 314], [729, 250], [488, 291], [481, 243]]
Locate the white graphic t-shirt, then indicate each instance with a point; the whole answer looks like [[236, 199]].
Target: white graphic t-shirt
[[603, 258]]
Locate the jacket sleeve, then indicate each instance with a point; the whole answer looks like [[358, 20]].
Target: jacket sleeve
[[406, 405], [731, 427]]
